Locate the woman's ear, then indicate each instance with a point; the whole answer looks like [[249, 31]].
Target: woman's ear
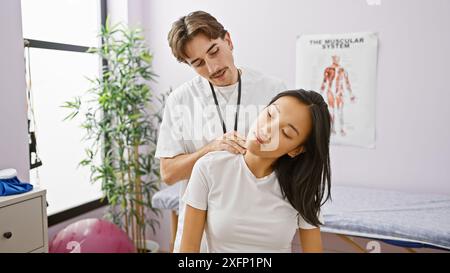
[[297, 151]]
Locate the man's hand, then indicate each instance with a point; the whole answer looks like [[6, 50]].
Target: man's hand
[[232, 142], [180, 167]]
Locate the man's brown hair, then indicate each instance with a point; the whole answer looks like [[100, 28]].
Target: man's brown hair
[[187, 27]]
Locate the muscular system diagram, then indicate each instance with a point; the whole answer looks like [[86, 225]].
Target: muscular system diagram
[[334, 79]]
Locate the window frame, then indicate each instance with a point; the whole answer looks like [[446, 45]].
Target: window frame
[[97, 203]]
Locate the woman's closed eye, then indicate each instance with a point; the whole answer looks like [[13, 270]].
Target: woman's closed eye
[[285, 134]]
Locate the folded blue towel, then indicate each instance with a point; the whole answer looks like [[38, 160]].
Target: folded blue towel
[[10, 185]]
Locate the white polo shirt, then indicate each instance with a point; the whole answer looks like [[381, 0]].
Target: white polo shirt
[[245, 213], [191, 121]]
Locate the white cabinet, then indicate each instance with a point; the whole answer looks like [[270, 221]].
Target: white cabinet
[[23, 222]]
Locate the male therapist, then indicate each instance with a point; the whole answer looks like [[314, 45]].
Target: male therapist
[[214, 110]]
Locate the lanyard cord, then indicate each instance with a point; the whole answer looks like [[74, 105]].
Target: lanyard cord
[[237, 107]]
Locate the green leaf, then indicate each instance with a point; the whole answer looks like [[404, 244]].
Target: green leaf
[[146, 57]]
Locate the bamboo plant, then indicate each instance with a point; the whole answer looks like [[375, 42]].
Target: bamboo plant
[[121, 123]]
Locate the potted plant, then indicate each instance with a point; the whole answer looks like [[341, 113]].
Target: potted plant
[[121, 124]]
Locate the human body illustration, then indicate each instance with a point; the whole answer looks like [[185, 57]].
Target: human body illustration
[[336, 75]]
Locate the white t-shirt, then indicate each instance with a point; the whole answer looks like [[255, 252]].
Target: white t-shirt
[[191, 121], [245, 213], [227, 92]]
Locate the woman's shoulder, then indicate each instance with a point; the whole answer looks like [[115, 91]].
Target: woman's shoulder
[[218, 159], [213, 165], [218, 156]]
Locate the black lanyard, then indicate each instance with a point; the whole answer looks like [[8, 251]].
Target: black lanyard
[[237, 109]]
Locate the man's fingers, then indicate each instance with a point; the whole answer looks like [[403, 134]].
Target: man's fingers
[[232, 135], [242, 143], [237, 147], [234, 141], [238, 142], [236, 134], [225, 147], [235, 137]]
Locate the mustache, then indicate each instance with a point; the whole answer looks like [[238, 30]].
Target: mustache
[[215, 74]]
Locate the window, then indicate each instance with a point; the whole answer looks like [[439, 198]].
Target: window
[[63, 21], [58, 33]]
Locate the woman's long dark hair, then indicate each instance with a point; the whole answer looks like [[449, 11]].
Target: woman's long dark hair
[[306, 178]]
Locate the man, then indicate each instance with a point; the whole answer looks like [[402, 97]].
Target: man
[[336, 74], [212, 111]]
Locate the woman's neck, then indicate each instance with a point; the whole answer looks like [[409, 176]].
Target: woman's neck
[[260, 167]]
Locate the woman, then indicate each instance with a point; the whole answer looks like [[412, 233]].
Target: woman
[[257, 202]]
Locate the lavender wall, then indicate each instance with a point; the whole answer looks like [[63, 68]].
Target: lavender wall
[[412, 121], [13, 109]]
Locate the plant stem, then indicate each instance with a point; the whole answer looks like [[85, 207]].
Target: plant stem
[[123, 182], [138, 193]]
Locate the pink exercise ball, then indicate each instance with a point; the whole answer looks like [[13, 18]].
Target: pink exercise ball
[[92, 236]]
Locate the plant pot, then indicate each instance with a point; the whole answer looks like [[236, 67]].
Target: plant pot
[[151, 246]]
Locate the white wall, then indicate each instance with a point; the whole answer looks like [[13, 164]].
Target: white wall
[[412, 121], [13, 109], [129, 12]]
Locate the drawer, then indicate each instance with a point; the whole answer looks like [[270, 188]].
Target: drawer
[[24, 221]]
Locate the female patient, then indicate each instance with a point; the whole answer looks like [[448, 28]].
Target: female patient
[[257, 202]]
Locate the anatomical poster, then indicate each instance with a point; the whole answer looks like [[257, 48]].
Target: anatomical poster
[[342, 67]]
